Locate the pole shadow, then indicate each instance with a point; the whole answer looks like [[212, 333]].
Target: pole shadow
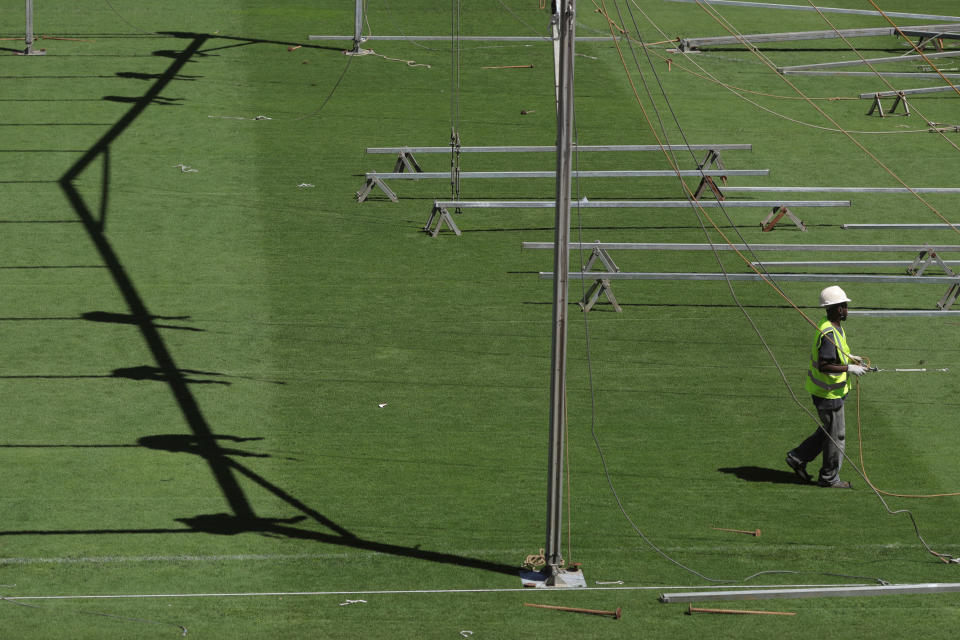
[[202, 441]]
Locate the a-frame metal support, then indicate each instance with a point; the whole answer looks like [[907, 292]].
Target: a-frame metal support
[[601, 285], [779, 212], [900, 99], [441, 215]]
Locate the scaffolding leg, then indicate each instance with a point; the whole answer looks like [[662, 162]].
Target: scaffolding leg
[[778, 212], [375, 181], [901, 98], [406, 161], [949, 297], [593, 294], [706, 182], [441, 215], [876, 106]]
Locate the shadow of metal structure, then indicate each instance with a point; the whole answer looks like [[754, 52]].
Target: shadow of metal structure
[[201, 441]]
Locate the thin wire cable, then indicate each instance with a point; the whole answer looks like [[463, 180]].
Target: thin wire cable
[[880, 76], [915, 47], [942, 557], [737, 91], [333, 90], [910, 515], [723, 22]]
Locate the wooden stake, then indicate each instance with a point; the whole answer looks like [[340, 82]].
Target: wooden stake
[[694, 610], [755, 533], [615, 614]]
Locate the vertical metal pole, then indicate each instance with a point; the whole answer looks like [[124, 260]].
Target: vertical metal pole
[[561, 264], [555, 33], [29, 36], [358, 26]]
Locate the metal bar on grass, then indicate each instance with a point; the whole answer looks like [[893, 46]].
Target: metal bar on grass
[[906, 92], [784, 277], [790, 36], [635, 204], [853, 63], [653, 173], [841, 189], [823, 592], [902, 225], [553, 149], [797, 7], [677, 246]]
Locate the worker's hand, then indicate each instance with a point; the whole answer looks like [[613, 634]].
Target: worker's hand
[[856, 359], [856, 369]]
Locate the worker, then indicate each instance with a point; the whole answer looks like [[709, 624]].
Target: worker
[[828, 382]]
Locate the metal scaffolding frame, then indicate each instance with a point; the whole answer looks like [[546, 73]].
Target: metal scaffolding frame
[[440, 213], [927, 256], [374, 179], [924, 31]]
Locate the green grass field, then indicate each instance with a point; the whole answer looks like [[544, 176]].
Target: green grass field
[[196, 348]]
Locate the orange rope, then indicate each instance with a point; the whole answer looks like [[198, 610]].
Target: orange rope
[[915, 47], [856, 142], [863, 468], [879, 75]]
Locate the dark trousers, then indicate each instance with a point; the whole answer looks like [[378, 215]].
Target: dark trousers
[[833, 423]]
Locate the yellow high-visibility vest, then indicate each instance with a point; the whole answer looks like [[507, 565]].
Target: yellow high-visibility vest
[[828, 385]]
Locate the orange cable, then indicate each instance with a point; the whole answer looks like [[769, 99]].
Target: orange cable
[[879, 75], [856, 142]]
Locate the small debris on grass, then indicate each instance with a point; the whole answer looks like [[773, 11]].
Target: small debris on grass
[[294, 48], [524, 112], [608, 581], [184, 168], [305, 185], [466, 633], [349, 602], [382, 404]]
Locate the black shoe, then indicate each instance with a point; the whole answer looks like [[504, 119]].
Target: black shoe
[[839, 484], [799, 468]]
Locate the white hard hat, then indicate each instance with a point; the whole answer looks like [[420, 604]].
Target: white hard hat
[[832, 295]]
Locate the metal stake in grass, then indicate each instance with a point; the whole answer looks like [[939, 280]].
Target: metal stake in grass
[[614, 614]]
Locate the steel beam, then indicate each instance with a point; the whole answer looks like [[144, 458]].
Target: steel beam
[[901, 313], [841, 263], [873, 74], [790, 36], [797, 7], [658, 173], [636, 204], [465, 38], [903, 225], [906, 92], [841, 189], [782, 277], [822, 592], [854, 63], [672, 246], [553, 148]]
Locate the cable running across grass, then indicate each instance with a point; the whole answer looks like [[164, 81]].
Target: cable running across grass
[[733, 31], [882, 77], [737, 91], [943, 557], [765, 278]]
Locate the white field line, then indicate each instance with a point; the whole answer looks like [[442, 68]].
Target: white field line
[[403, 592]]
